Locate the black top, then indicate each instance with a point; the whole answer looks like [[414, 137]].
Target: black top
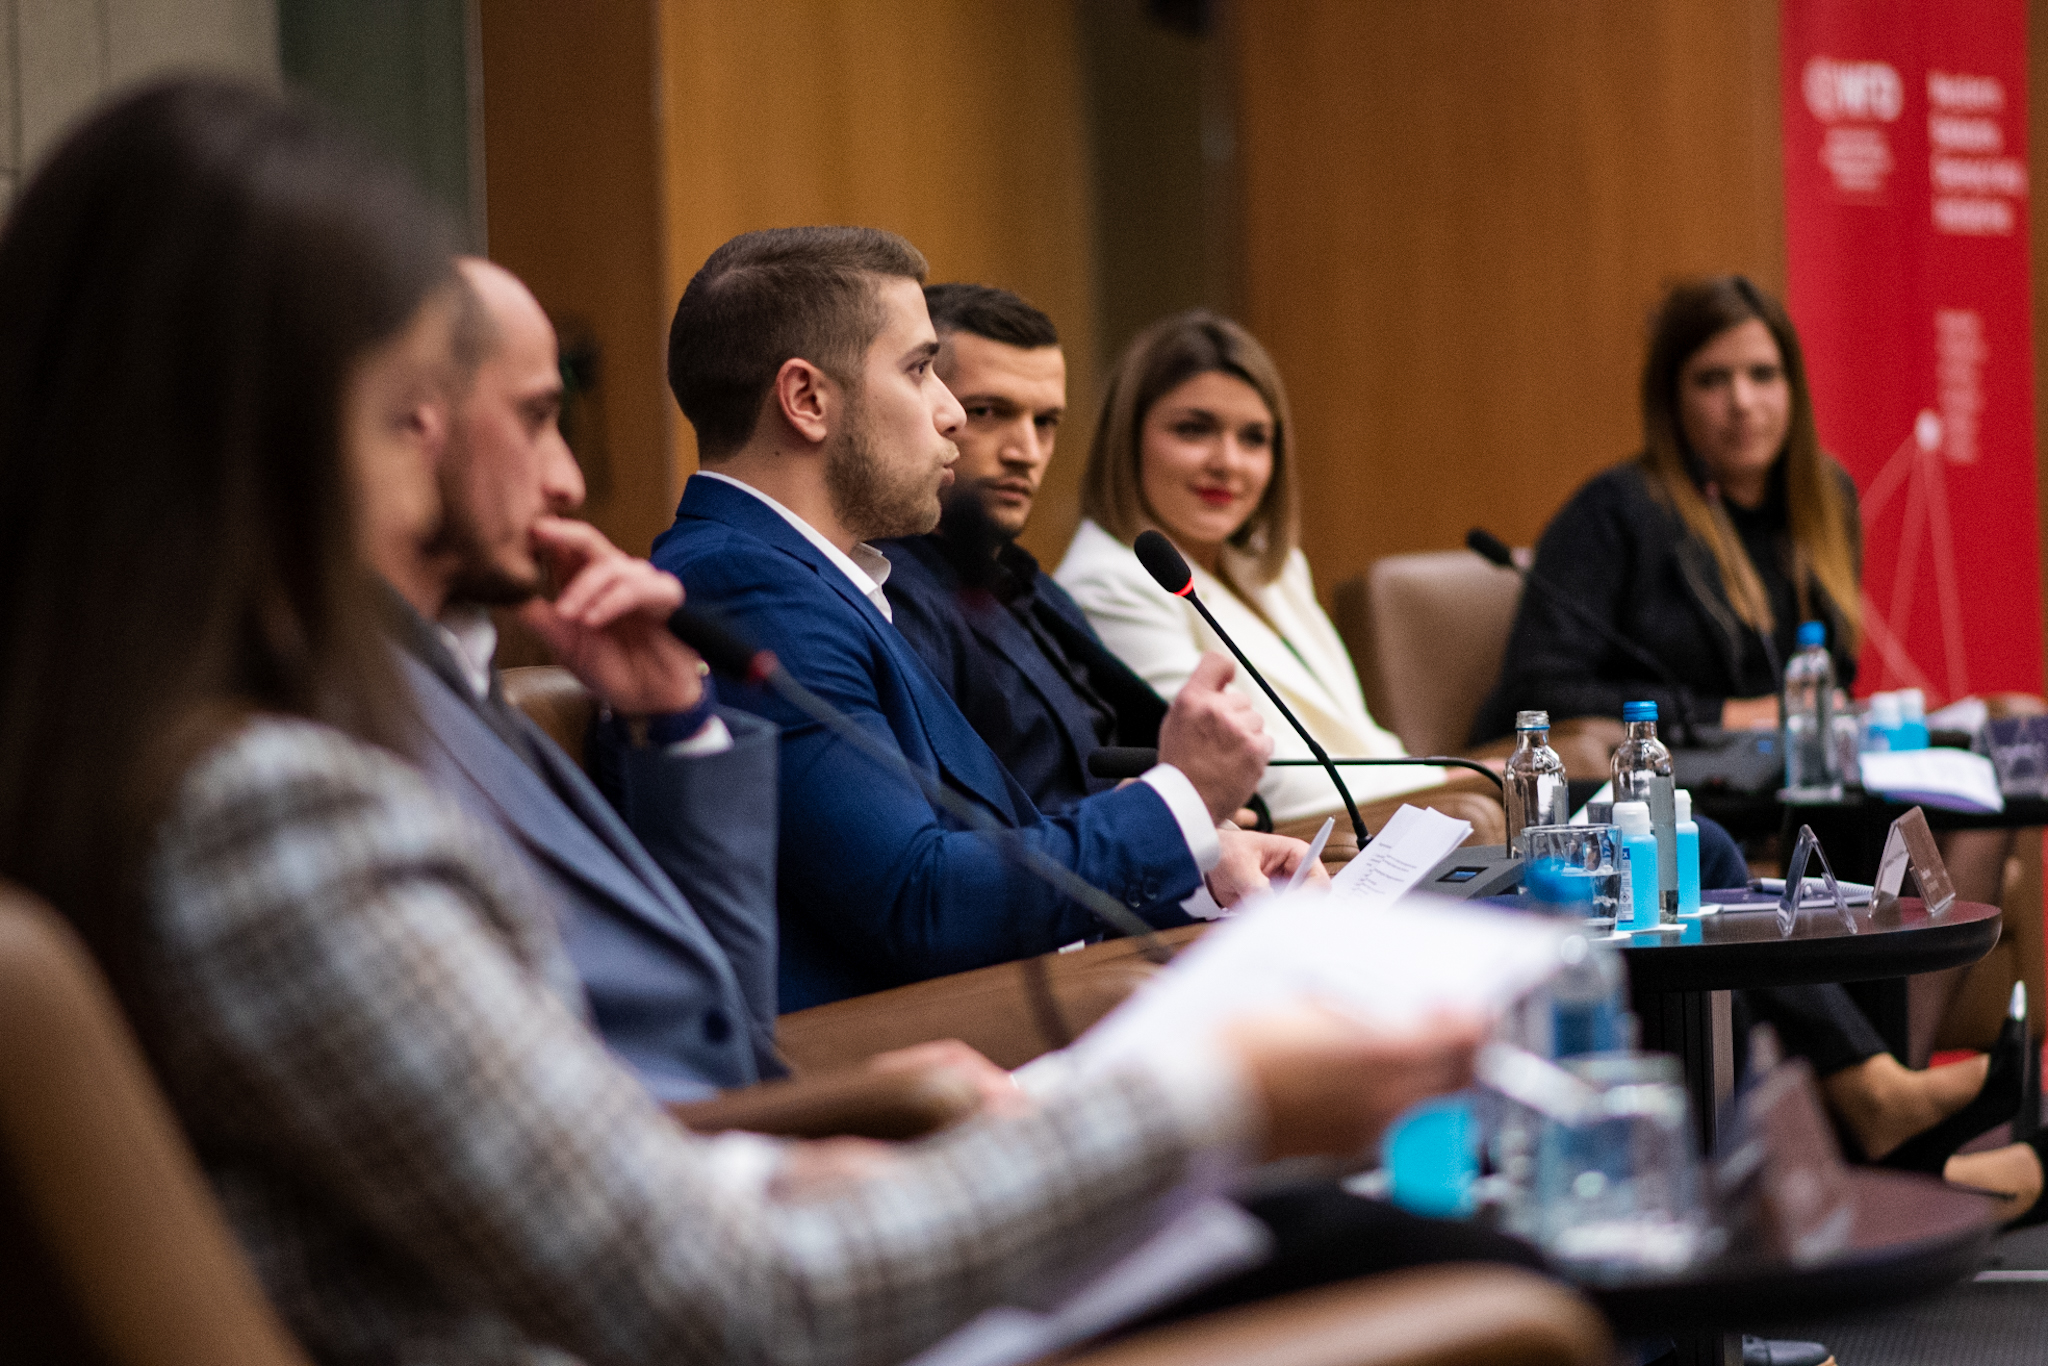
[[1018, 656], [1620, 552]]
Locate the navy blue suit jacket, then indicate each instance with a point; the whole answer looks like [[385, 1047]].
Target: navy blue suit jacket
[[1026, 703], [683, 989], [876, 887]]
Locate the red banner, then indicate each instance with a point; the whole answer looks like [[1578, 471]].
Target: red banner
[[1906, 242]]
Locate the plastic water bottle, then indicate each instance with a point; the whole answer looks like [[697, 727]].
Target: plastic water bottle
[[1912, 733], [1589, 1001], [1642, 773], [1533, 783], [1640, 903], [1688, 856], [1811, 773]]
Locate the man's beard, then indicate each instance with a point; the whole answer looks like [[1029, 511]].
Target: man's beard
[[870, 500], [457, 540]]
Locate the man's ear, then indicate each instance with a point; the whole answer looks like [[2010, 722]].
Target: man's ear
[[807, 397]]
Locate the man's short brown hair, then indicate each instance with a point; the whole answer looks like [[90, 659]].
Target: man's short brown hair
[[769, 297]]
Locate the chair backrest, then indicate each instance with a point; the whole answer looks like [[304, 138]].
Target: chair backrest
[[1427, 633], [554, 700], [113, 1221]]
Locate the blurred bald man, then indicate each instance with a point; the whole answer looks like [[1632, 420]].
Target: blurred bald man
[[675, 946]]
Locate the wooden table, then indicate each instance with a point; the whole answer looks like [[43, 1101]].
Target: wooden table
[[1912, 1235], [1680, 988]]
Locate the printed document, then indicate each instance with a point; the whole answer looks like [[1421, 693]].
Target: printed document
[[1416, 840]]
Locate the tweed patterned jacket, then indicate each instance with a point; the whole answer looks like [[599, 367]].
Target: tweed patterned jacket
[[369, 1027]]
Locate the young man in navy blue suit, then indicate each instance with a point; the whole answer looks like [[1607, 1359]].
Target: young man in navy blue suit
[[1016, 653], [803, 358]]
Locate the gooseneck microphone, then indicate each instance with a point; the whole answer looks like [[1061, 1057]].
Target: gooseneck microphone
[[1494, 550], [1171, 572], [1117, 762], [725, 649]]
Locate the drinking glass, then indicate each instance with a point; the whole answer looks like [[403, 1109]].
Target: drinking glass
[[1577, 869], [1618, 1193]]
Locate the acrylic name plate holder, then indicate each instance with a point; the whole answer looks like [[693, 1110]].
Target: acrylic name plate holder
[[1910, 844]]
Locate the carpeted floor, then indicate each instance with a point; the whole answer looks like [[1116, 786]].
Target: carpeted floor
[[1999, 1319]]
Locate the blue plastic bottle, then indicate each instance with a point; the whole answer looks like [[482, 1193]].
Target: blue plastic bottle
[[1912, 732], [1688, 857], [1639, 898]]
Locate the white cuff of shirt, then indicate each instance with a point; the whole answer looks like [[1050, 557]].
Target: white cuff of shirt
[[713, 737], [1190, 813]]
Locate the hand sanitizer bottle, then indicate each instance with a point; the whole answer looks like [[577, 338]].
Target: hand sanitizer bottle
[[1688, 857], [1640, 902]]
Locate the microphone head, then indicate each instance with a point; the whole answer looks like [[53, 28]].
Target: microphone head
[[1489, 547], [1164, 563], [723, 646]]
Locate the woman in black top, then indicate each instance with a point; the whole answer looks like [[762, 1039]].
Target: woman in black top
[[1707, 551], [1709, 548]]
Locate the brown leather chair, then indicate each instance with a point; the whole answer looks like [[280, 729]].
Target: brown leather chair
[[557, 702], [115, 1252], [119, 1253]]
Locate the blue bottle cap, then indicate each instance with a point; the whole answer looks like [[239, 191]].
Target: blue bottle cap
[[1812, 633], [1639, 711]]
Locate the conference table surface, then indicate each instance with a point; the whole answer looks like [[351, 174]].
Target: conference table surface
[[1745, 948]]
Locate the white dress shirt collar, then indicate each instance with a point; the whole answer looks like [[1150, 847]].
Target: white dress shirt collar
[[472, 637], [867, 569]]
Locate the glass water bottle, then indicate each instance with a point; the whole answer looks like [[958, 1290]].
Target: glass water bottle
[[1534, 783], [1642, 773]]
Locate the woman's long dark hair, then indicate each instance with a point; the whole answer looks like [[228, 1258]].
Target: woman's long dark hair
[[1692, 314], [185, 287]]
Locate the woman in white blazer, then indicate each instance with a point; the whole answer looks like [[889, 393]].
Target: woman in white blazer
[[1194, 441]]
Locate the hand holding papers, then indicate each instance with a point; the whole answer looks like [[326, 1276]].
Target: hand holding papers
[[1396, 968], [1408, 846], [1393, 968]]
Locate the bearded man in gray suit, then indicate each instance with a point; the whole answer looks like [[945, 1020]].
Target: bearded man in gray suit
[[675, 945]]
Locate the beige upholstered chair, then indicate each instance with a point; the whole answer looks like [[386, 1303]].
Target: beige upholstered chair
[[114, 1251], [1427, 632]]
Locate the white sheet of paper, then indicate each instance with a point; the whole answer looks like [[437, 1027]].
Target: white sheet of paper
[[1409, 845], [1952, 779], [1206, 1243], [1393, 968]]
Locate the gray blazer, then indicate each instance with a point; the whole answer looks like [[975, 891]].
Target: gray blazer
[[681, 986]]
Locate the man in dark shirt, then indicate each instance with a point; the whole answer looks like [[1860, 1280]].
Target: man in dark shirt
[[1014, 650]]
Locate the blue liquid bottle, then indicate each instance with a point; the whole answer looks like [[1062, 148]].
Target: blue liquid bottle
[[1688, 857], [1640, 902]]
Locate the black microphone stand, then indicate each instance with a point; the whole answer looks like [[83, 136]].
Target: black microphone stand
[[1164, 563], [723, 648], [1425, 760]]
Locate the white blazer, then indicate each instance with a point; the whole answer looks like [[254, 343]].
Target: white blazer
[[1162, 638]]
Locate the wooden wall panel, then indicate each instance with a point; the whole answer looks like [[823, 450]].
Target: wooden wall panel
[[573, 187], [959, 126], [1456, 219]]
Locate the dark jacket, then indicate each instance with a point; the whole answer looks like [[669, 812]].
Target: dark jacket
[[877, 887], [1627, 558], [1022, 662]]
